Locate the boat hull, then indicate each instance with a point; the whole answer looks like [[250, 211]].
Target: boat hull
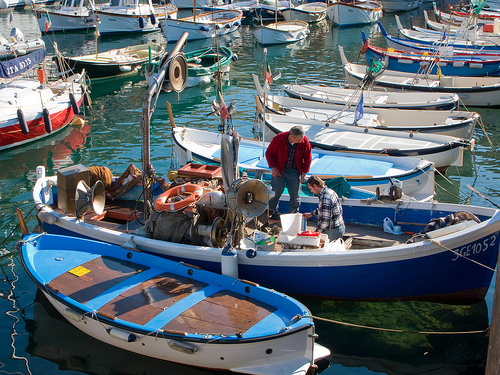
[[205, 26], [61, 21], [456, 268], [349, 14], [281, 33], [59, 108]]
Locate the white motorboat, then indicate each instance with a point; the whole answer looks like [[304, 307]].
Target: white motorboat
[[68, 16], [202, 26], [135, 16]]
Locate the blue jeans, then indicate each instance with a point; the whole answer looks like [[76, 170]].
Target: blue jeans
[[291, 179], [335, 233]]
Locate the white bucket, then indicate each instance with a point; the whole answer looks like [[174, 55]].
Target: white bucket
[[291, 224]]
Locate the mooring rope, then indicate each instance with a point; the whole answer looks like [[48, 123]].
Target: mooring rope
[[397, 330]]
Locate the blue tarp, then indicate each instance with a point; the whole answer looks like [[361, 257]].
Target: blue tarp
[[14, 67]]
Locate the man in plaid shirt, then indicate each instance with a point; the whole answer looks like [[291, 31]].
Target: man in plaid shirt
[[329, 211]]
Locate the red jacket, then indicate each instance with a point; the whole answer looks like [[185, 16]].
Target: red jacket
[[277, 153]]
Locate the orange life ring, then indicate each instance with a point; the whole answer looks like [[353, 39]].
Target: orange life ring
[[365, 45], [161, 203]]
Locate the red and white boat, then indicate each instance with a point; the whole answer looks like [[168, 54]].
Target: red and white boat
[[30, 109]]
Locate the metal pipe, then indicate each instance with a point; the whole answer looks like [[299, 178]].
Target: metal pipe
[[154, 88]]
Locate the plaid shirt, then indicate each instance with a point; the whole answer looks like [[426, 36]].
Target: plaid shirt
[[290, 162], [329, 210]]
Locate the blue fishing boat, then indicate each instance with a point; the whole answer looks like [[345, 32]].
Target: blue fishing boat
[[171, 311]]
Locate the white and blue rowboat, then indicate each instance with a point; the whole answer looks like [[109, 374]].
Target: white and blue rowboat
[[373, 97], [202, 26], [270, 10], [458, 124], [171, 311], [17, 46], [473, 91], [325, 133], [363, 171], [451, 264]]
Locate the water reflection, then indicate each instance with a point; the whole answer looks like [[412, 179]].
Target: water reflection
[[404, 353]]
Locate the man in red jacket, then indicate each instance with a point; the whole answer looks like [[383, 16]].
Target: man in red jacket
[[289, 157]]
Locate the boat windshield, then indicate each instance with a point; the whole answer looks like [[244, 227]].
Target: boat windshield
[[68, 3]]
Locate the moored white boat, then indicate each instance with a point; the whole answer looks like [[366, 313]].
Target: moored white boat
[[346, 13], [281, 32], [196, 317], [460, 124], [326, 133], [68, 16], [31, 110], [372, 97], [202, 26], [389, 6], [138, 16], [308, 12], [473, 91]]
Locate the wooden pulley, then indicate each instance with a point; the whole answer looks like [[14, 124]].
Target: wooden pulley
[[177, 73]]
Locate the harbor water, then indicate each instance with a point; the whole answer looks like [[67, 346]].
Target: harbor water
[[380, 338]]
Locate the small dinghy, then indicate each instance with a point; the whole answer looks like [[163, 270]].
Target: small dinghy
[[17, 45], [308, 12], [281, 32], [171, 311]]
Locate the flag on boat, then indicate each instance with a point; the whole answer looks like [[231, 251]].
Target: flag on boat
[[268, 75], [358, 114], [48, 22]]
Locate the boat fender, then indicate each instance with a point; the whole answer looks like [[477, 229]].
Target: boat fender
[[228, 26], [22, 121], [251, 253], [235, 57], [88, 19], [161, 203], [365, 45], [183, 347], [86, 99], [204, 28], [40, 74], [47, 121], [73, 315], [152, 17], [122, 335], [141, 23], [236, 24], [47, 217], [74, 104]]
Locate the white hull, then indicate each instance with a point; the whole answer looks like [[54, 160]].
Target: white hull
[[310, 12], [122, 20], [204, 26], [399, 5], [347, 14], [65, 19], [281, 32], [189, 4], [458, 124], [473, 91]]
